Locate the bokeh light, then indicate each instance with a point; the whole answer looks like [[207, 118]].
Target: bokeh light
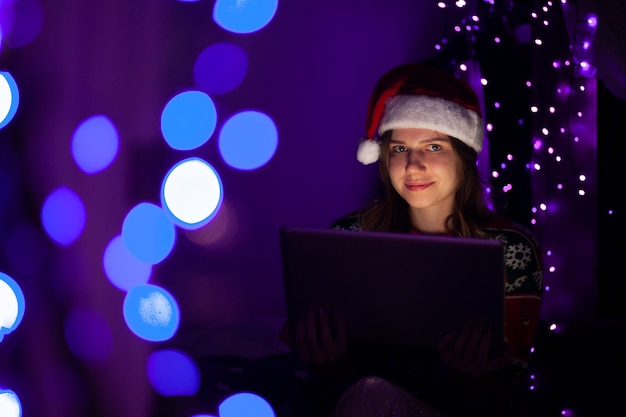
[[244, 16], [12, 305], [245, 404], [220, 68], [122, 268], [221, 232], [9, 404], [63, 216], [148, 233], [95, 144], [172, 372], [6, 21], [88, 335], [151, 312], [192, 193], [27, 23], [188, 120], [248, 140], [9, 98]]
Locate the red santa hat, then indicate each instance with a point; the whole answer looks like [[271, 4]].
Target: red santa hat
[[420, 96]]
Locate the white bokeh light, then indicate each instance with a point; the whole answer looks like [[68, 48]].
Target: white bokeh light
[[6, 96], [155, 310], [8, 306], [9, 404], [9, 97], [11, 305], [192, 193]]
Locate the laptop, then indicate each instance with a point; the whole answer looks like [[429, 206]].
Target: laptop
[[391, 288]]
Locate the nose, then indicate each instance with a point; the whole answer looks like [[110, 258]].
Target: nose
[[414, 162]]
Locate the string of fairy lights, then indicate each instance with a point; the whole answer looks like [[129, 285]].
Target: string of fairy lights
[[564, 146], [558, 118], [565, 139]]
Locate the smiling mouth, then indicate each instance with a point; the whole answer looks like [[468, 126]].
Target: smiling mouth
[[418, 186]]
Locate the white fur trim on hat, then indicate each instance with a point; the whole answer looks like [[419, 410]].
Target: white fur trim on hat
[[434, 113], [368, 151]]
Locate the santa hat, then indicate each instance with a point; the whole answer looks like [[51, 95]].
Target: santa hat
[[420, 96]]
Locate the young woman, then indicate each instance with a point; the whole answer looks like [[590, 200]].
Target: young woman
[[426, 129]]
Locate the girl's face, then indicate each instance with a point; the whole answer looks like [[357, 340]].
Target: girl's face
[[423, 169]]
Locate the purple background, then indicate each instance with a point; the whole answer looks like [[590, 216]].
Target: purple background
[[311, 69]]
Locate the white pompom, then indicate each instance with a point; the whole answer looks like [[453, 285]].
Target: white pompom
[[368, 151]]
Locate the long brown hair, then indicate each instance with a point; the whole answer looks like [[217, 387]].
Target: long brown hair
[[390, 212]]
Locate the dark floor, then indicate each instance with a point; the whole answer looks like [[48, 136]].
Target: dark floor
[[580, 371]]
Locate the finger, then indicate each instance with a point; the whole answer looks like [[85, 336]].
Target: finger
[[461, 339], [444, 347], [301, 342], [341, 329], [446, 340], [476, 364], [310, 327], [475, 340], [482, 349], [326, 338], [461, 350], [334, 343], [285, 335], [501, 361], [315, 348]]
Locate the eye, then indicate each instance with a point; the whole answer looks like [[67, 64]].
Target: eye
[[398, 148], [434, 147]]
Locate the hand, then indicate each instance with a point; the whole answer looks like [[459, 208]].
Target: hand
[[467, 351], [319, 338]]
